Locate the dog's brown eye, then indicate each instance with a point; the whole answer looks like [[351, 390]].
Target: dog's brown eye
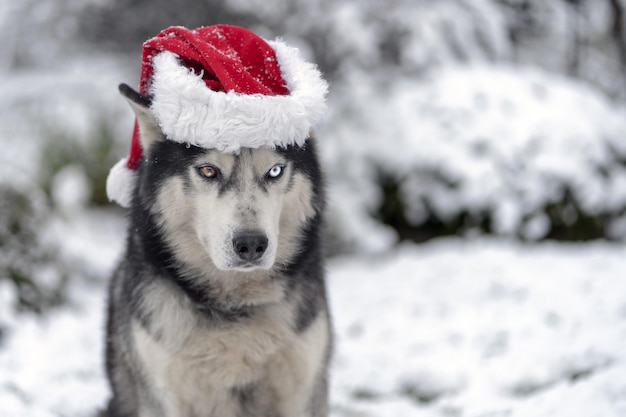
[[207, 171]]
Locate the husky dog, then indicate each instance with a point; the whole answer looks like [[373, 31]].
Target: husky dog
[[218, 307]]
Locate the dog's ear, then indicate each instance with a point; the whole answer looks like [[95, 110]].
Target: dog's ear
[[149, 130]]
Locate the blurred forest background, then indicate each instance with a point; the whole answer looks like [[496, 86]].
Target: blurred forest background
[[448, 117]]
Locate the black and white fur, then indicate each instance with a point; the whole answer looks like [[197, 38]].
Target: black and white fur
[[218, 307]]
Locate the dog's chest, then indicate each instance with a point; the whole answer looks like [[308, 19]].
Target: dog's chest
[[192, 364]]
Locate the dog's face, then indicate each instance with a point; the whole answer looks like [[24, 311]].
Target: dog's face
[[243, 211], [238, 202]]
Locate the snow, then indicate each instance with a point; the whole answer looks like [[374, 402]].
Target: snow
[[482, 328], [71, 188], [499, 139], [453, 327], [73, 111]]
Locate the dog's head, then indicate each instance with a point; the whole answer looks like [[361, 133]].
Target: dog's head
[[239, 211]]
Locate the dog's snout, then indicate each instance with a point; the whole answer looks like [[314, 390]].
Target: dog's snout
[[250, 246]]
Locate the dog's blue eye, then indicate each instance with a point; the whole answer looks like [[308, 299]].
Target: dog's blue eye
[[275, 172], [208, 171]]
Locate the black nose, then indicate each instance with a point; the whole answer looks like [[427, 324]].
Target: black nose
[[250, 246]]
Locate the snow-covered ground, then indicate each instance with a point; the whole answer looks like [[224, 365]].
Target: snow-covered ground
[[482, 328], [454, 328]]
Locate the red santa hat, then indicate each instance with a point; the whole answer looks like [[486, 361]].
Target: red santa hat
[[223, 87]]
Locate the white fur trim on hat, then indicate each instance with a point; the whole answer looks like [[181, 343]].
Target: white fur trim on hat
[[188, 111], [120, 183]]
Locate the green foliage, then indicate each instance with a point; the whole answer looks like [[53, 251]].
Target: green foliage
[[419, 394], [567, 220], [29, 258], [25, 259], [96, 156], [365, 394]]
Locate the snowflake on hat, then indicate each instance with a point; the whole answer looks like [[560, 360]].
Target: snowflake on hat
[[223, 87]]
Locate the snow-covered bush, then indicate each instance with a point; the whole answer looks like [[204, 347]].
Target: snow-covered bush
[[56, 154], [28, 263], [93, 158], [511, 151], [585, 39], [64, 124], [60, 116]]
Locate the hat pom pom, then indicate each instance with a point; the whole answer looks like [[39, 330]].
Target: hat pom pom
[[120, 183]]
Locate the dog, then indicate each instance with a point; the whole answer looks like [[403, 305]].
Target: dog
[[218, 307]]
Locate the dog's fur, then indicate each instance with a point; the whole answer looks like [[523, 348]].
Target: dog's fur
[[198, 326]]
